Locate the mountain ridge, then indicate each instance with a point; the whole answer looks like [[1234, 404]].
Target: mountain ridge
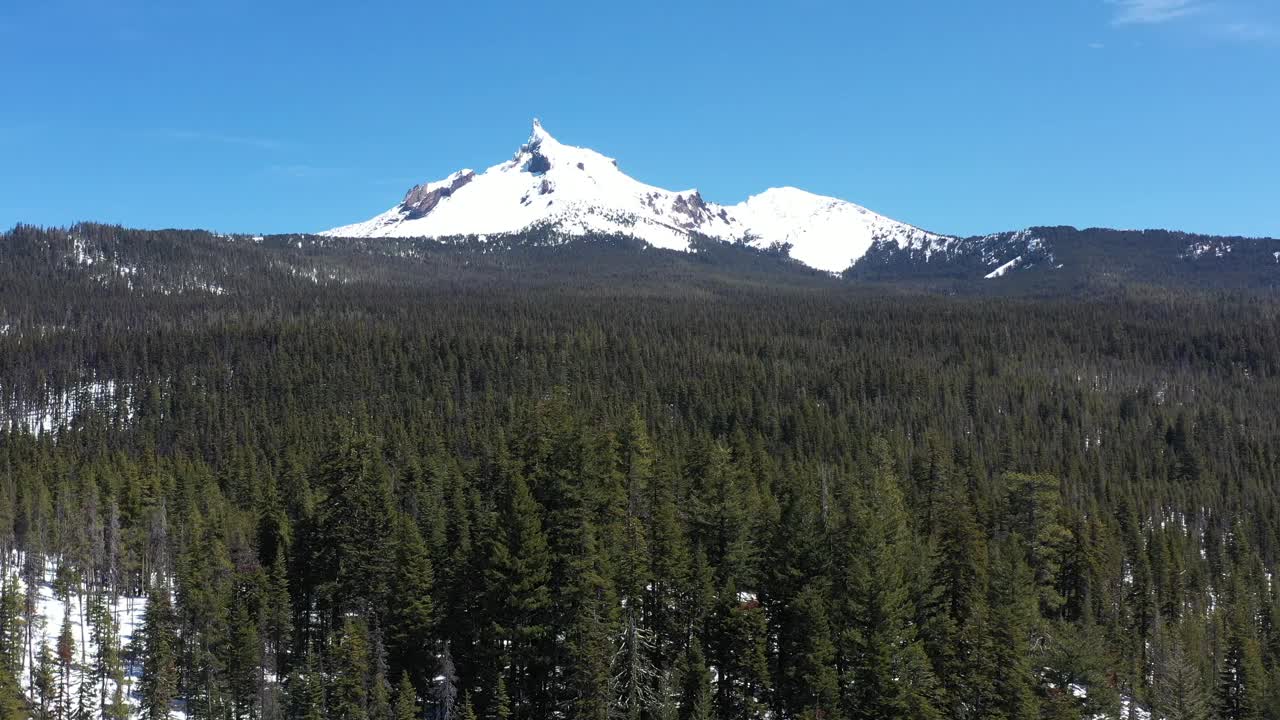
[[578, 191]]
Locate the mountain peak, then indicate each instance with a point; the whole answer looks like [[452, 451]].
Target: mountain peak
[[536, 155], [577, 191], [540, 139]]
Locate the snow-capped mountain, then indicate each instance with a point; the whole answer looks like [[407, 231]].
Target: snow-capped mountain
[[1070, 257], [577, 191]]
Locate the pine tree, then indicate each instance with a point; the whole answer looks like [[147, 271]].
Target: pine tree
[[446, 686], [411, 615], [1014, 615], [815, 685], [351, 665], [245, 661], [353, 528], [1080, 656], [44, 682], [12, 705], [159, 683], [106, 637], [278, 613], [406, 705], [1242, 679], [500, 708], [380, 690], [12, 627], [695, 694], [886, 670], [636, 680], [66, 659], [1177, 690], [305, 691], [116, 708], [630, 543], [1034, 512], [468, 709], [667, 605], [739, 650], [589, 647], [955, 634], [517, 578], [205, 597]]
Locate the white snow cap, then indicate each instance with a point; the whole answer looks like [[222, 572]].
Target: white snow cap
[[577, 191]]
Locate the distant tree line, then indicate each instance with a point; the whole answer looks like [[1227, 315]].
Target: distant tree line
[[685, 488]]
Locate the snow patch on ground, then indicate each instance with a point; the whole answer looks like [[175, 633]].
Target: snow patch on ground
[[46, 625], [1207, 248], [1000, 271], [60, 411]]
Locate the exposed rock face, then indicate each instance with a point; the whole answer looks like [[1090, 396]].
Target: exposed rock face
[[538, 163], [696, 210], [422, 199]]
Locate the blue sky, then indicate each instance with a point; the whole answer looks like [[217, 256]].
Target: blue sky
[[958, 117]]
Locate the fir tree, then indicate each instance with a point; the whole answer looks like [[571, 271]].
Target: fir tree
[[886, 670], [12, 704], [814, 683], [106, 638], [305, 692], [1014, 618], [517, 577], [406, 704], [411, 618], [446, 685], [245, 661], [739, 651], [589, 685], [1177, 689], [44, 681], [1034, 512], [695, 694], [159, 683], [956, 634], [636, 681], [667, 605], [353, 527], [66, 661], [1241, 693], [468, 711], [351, 664]]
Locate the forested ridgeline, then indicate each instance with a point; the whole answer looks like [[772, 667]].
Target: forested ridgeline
[[646, 486]]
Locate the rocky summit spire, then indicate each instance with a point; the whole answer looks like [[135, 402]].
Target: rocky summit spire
[[539, 133]]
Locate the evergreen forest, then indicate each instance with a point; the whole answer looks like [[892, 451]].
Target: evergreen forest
[[597, 481]]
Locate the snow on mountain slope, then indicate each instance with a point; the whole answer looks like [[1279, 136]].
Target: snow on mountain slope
[[577, 191], [824, 232]]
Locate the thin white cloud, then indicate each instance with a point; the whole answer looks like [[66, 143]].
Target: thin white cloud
[[302, 170], [1153, 12], [223, 139], [1233, 20], [1247, 30]]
